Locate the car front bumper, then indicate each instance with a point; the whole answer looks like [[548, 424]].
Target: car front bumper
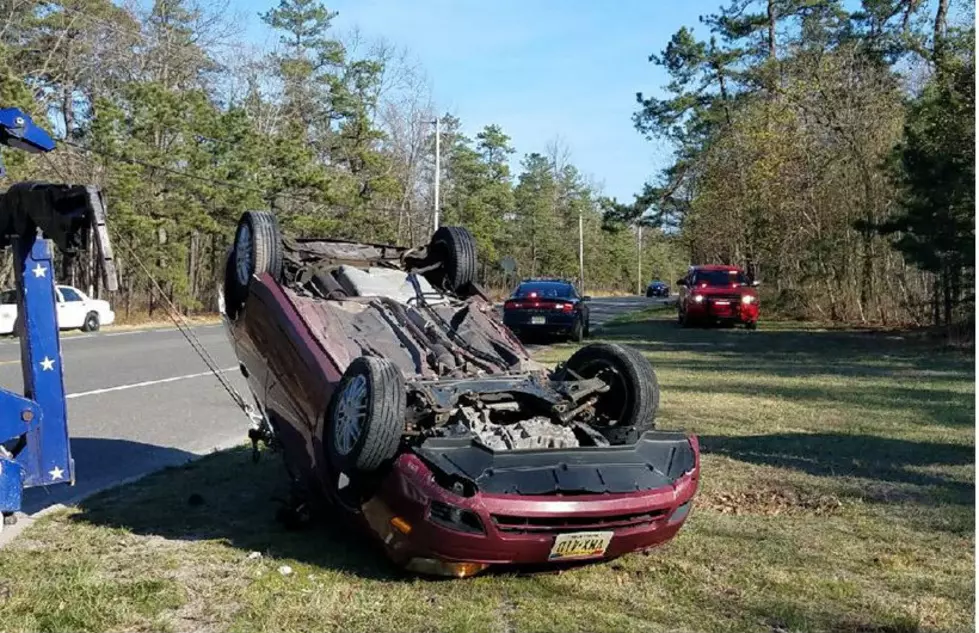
[[735, 312], [517, 530]]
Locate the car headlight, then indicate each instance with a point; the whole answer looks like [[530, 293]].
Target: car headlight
[[455, 518], [698, 298], [747, 299]]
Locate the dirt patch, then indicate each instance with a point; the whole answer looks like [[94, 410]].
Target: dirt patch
[[769, 501]]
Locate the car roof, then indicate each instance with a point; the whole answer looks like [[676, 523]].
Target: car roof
[[558, 282], [710, 267]]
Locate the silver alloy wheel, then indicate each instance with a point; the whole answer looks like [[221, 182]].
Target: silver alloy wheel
[[243, 254], [350, 415]]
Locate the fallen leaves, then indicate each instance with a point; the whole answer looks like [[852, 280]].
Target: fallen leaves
[[769, 501]]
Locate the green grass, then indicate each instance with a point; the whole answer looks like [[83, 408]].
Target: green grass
[[837, 495]]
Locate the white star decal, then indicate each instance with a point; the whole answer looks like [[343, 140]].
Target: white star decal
[[39, 270], [56, 473], [47, 364]]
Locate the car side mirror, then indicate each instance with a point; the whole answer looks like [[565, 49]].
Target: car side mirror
[[755, 284]]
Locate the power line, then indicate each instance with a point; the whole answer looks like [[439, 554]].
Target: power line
[[266, 194]]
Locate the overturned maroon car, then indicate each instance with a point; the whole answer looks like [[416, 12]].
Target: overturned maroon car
[[401, 401]]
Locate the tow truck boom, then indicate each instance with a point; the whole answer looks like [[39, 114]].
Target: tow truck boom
[[34, 442]]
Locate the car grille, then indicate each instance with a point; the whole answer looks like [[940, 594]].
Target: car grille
[[734, 299], [557, 525]]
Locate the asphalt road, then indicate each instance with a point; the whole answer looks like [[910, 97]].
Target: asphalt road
[[140, 401]]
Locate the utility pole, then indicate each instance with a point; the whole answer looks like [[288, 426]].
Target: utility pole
[[581, 251], [438, 168]]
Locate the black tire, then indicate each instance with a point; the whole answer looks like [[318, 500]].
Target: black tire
[[92, 322], [628, 409], [233, 295], [383, 423], [258, 234], [578, 332], [455, 248], [751, 325]]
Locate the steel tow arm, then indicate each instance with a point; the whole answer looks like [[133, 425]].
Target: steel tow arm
[[34, 442]]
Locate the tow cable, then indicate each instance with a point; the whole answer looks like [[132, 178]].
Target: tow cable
[[260, 428]]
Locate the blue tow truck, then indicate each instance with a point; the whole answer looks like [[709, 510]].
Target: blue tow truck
[[34, 442]]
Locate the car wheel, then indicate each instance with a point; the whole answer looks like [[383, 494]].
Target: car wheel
[[257, 249], [751, 325], [628, 408], [455, 248], [578, 332], [92, 322], [365, 419]]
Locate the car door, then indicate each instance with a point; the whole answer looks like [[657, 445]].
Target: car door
[[71, 308]]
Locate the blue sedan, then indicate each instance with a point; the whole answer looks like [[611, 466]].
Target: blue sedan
[[658, 289], [547, 307]]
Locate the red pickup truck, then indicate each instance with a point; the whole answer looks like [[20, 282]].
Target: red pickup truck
[[717, 294]]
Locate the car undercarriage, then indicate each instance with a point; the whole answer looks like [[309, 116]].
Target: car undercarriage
[[410, 370]]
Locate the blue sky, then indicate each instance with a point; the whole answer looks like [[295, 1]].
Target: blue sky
[[539, 68]]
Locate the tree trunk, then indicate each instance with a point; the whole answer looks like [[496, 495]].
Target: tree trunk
[[941, 18], [947, 294]]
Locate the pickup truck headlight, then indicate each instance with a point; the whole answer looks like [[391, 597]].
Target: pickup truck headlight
[[746, 299], [698, 298]]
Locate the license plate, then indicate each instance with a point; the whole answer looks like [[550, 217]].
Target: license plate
[[722, 303], [537, 320], [580, 545]]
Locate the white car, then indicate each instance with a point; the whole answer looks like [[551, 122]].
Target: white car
[[75, 310]]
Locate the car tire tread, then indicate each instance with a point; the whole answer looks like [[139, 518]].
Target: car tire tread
[[640, 380], [457, 249], [92, 322], [266, 252], [384, 422]]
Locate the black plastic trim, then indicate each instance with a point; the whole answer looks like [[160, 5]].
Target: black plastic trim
[[655, 461]]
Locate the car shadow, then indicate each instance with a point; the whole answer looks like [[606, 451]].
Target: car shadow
[[939, 407], [227, 497], [781, 351], [101, 463]]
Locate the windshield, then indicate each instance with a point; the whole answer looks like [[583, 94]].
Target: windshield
[[543, 290], [719, 278]]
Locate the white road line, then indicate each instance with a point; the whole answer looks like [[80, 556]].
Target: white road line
[[146, 383], [109, 334]]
